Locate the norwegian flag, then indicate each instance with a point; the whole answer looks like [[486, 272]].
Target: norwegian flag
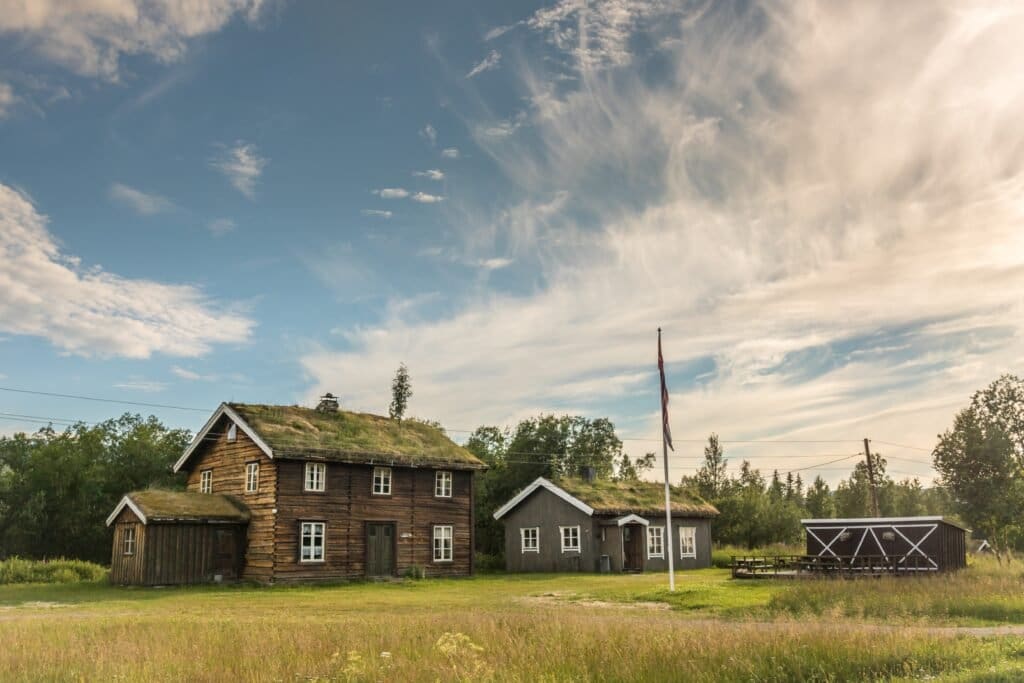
[[664, 396]]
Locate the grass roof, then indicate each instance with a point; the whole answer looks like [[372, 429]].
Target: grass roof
[[160, 505], [293, 431], [635, 497]]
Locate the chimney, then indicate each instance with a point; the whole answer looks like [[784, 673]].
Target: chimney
[[328, 403], [589, 474]]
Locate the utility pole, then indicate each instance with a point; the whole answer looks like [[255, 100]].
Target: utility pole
[[871, 477]]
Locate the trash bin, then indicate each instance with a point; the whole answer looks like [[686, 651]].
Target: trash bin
[[605, 565]]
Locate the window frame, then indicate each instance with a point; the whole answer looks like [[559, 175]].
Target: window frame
[[388, 481], [660, 538], [523, 549], [313, 525], [252, 481], [128, 540], [562, 535], [232, 435], [321, 478], [435, 537], [440, 478], [691, 534], [206, 481]]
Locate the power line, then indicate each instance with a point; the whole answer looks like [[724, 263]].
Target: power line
[[103, 400], [897, 445]]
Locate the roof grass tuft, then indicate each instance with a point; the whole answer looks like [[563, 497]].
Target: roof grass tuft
[[635, 497]]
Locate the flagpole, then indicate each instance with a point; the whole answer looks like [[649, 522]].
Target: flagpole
[[664, 454]]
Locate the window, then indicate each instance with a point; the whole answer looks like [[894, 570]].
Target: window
[[206, 481], [687, 541], [382, 481], [233, 432], [316, 477], [443, 484], [312, 542], [442, 544], [530, 539], [570, 539], [129, 540], [655, 541], [252, 477]]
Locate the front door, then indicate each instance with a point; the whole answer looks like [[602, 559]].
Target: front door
[[225, 552], [380, 549], [632, 550]]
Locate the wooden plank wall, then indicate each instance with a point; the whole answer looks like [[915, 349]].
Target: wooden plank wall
[[182, 553], [348, 504], [228, 461], [127, 569]]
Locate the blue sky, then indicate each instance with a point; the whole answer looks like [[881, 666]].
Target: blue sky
[[262, 201]]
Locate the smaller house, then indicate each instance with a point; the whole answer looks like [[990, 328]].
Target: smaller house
[[177, 537], [582, 525], [902, 544]]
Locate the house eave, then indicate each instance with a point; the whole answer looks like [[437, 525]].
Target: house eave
[[222, 410]]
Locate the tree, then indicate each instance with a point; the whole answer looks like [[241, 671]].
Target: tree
[[711, 478], [631, 470], [401, 392], [819, 500]]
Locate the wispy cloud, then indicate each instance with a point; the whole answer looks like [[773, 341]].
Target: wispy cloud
[[90, 312], [141, 202], [429, 133], [242, 165], [424, 198], [391, 193], [221, 226], [431, 173], [377, 213], [491, 61], [143, 385], [499, 31], [7, 100], [450, 152], [185, 373], [496, 263]]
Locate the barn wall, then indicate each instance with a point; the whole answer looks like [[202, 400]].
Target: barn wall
[[946, 545], [127, 569], [188, 553], [547, 511], [228, 461], [348, 504]]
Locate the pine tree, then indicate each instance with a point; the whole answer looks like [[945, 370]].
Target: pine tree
[[401, 392]]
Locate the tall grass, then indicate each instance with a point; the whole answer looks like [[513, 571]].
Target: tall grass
[[19, 570]]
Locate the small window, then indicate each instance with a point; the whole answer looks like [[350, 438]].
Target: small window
[[233, 432], [312, 542], [655, 541], [530, 539], [570, 539], [442, 543], [316, 477], [687, 541], [252, 477], [129, 540], [443, 485], [206, 481], [382, 481]]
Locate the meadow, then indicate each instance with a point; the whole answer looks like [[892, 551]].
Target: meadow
[[524, 628]]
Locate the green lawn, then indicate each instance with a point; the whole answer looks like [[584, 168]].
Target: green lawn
[[515, 627]]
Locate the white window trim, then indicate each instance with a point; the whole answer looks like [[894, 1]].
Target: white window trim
[[661, 537], [252, 477], [232, 433], [312, 537], [682, 549], [321, 478], [441, 478], [451, 542], [129, 540], [579, 541], [383, 480], [206, 481], [536, 539]]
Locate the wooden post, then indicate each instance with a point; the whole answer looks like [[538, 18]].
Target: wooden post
[[871, 477]]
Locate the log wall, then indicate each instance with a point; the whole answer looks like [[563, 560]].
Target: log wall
[[127, 569]]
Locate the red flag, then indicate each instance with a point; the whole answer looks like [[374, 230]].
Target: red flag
[[664, 396]]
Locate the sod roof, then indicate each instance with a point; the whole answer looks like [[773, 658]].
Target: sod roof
[[634, 497], [162, 506], [296, 432]]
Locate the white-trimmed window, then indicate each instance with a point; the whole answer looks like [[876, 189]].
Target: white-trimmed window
[[443, 484], [312, 542], [443, 543], [316, 477], [570, 539], [233, 432], [687, 541], [252, 477], [382, 481], [206, 481], [655, 541], [529, 539], [129, 540]]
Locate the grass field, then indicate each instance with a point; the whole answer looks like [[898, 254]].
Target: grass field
[[521, 628]]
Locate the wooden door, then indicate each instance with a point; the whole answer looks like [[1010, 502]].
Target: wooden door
[[225, 553], [380, 549], [632, 537]]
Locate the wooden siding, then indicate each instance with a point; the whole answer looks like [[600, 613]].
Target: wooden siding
[[946, 545], [347, 505], [187, 553], [127, 569], [547, 511], [703, 544], [228, 461]]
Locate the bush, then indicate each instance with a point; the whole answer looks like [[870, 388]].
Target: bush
[[488, 564], [19, 570]]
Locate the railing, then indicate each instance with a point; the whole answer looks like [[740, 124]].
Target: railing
[[763, 566]]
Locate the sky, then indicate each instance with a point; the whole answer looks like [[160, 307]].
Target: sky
[[821, 204]]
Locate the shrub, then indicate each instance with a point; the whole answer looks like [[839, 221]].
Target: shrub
[[487, 564], [20, 570]]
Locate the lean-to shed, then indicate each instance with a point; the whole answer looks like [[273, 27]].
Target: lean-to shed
[[901, 543]]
